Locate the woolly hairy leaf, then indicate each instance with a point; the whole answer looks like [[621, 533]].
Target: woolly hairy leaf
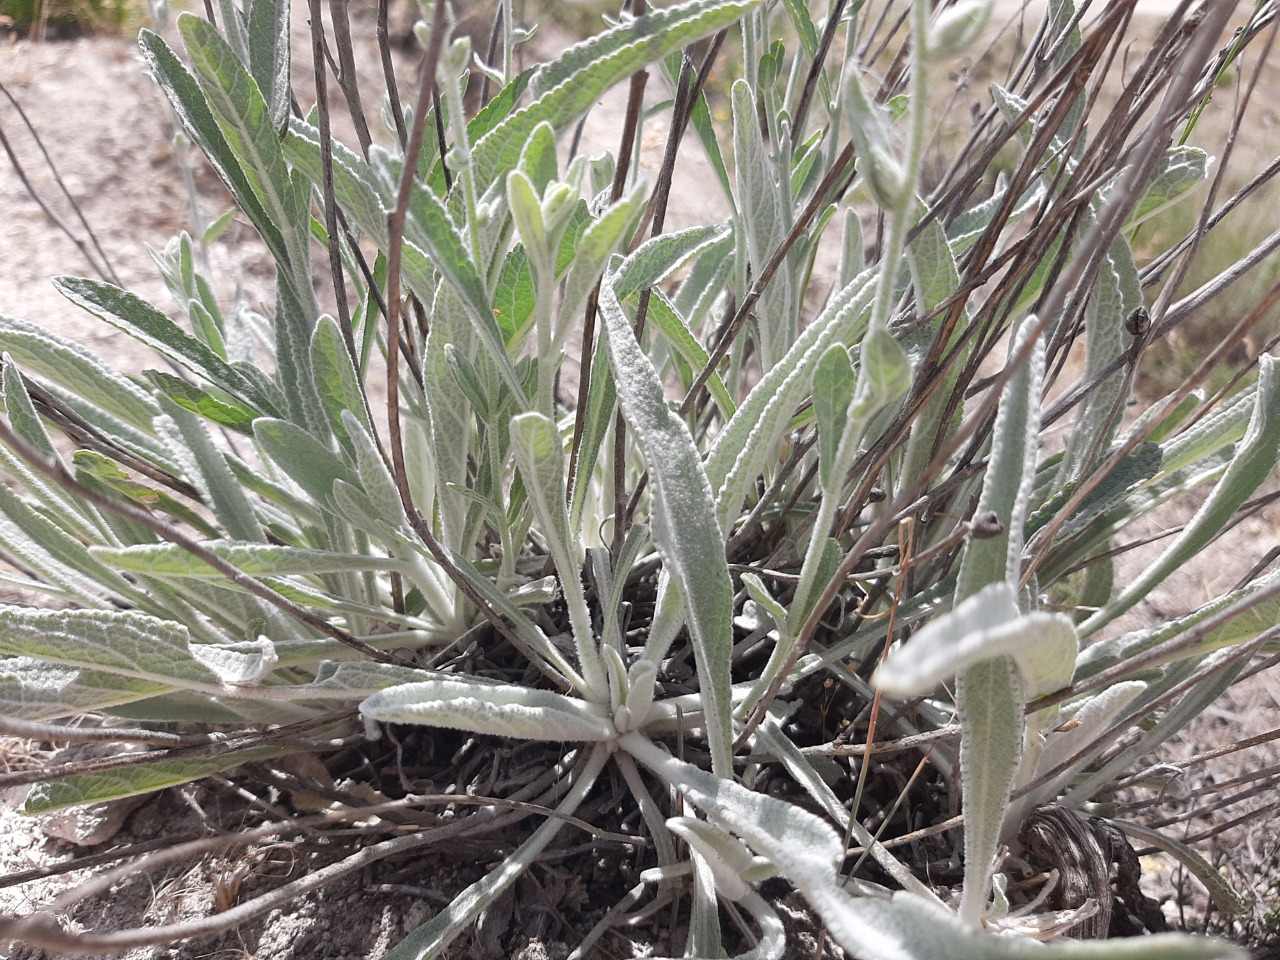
[[104, 785], [35, 689], [268, 29], [192, 109], [125, 643], [308, 462], [66, 362], [683, 519], [242, 114], [568, 86], [665, 317], [659, 257], [255, 559], [502, 710], [1255, 458]]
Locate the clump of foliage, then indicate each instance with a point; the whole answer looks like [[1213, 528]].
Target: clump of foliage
[[762, 491]]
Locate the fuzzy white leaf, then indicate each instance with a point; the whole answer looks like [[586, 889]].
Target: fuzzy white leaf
[[501, 710]]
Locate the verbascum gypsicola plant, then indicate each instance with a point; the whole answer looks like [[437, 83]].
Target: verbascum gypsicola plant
[[897, 489]]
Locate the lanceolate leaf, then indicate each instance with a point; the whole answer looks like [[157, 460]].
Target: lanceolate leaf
[[255, 559], [268, 29], [129, 644], [34, 689], [1255, 458], [130, 781], [68, 363], [148, 325], [497, 709], [569, 86], [683, 520]]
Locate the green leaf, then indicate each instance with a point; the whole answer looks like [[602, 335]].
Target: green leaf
[[1179, 170], [659, 257], [149, 326], [1006, 488], [569, 86], [268, 29], [68, 363], [683, 520], [254, 559], [539, 454], [1255, 458], [120, 642], [98, 787], [1224, 895], [237, 106], [833, 386], [667, 319], [192, 110], [35, 689], [355, 186], [337, 382], [502, 710], [189, 397], [307, 461]]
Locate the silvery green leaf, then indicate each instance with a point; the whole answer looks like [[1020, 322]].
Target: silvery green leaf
[[32, 688], [51, 553], [255, 559], [206, 467], [800, 845], [740, 451], [664, 317], [64, 361], [539, 454], [538, 158], [344, 679], [526, 211], [732, 863], [1225, 898], [375, 478], [601, 403], [1116, 292], [1255, 458], [1006, 488], [683, 520], [337, 381], [907, 927], [267, 25], [355, 187], [1179, 170], [833, 387], [242, 114], [986, 625], [308, 462], [1216, 673], [294, 319], [501, 710], [765, 207], [96, 787], [193, 111], [769, 736], [1090, 720], [450, 418], [659, 257], [568, 86], [125, 643], [69, 512], [597, 244], [237, 664]]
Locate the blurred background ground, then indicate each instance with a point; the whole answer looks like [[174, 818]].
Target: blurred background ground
[[109, 132]]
